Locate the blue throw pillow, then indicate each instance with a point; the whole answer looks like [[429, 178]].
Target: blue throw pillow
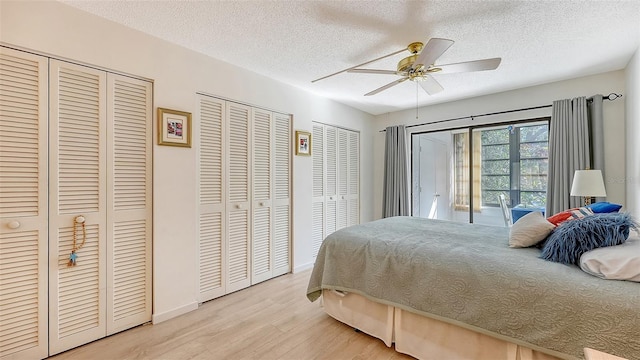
[[604, 207], [573, 238]]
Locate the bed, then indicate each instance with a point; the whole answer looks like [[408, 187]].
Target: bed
[[447, 290]]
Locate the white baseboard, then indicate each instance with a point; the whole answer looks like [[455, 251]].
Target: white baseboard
[[158, 318], [303, 267]]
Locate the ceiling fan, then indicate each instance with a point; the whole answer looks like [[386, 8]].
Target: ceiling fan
[[420, 65]]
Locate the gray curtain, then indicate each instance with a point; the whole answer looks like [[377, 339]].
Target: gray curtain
[[395, 199], [596, 125], [569, 150]]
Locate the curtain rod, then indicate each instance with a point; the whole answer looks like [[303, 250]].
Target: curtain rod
[[610, 97]]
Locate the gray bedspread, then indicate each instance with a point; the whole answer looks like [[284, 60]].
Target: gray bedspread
[[467, 275]]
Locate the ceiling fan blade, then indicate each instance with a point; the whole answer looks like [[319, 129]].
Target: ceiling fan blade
[[373, 71], [476, 65], [365, 63], [430, 85], [432, 51], [391, 84]]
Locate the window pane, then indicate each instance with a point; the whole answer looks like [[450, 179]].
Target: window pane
[[498, 182], [534, 133], [500, 136], [495, 152], [534, 150], [491, 197], [533, 182], [495, 167], [534, 167], [533, 199]]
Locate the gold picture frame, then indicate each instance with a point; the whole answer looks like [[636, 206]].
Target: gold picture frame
[[303, 143], [174, 128]]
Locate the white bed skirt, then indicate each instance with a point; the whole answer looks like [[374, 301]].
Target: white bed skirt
[[419, 336]]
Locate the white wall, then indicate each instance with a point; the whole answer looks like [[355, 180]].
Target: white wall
[[62, 31], [633, 135], [517, 99]]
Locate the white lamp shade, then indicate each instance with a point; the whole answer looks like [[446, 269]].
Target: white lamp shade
[[588, 183]]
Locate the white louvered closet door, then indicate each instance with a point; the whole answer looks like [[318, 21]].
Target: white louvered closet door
[[282, 199], [343, 170], [262, 254], [331, 179], [211, 259], [317, 153], [77, 186], [353, 196], [23, 205], [238, 203], [129, 202]]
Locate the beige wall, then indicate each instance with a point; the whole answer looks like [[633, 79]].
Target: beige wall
[[62, 31], [632, 179], [518, 99]]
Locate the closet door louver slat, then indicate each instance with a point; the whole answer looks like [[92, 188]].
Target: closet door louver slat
[[23, 201], [212, 259], [239, 140], [77, 187], [129, 216]]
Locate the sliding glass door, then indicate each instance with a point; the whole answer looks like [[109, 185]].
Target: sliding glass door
[[462, 174]]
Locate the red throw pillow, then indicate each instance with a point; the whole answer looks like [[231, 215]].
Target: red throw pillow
[[571, 214]]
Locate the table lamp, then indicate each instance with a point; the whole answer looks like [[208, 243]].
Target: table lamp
[[588, 183]]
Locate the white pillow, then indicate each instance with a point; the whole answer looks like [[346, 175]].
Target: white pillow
[[529, 230], [620, 262]]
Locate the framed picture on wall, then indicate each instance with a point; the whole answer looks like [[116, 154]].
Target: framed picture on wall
[[174, 128], [303, 143]]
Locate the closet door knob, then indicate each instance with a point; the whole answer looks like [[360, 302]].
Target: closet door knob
[[237, 206], [261, 204], [13, 224]]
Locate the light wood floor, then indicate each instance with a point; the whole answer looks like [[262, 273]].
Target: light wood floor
[[271, 320]]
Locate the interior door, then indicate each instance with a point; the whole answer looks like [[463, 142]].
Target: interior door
[[343, 170], [238, 205], [23, 205], [432, 183], [77, 187], [331, 179], [211, 229], [262, 254], [354, 178], [129, 202], [282, 195], [317, 153]]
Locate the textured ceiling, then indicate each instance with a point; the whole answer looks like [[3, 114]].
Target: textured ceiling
[[298, 41]]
